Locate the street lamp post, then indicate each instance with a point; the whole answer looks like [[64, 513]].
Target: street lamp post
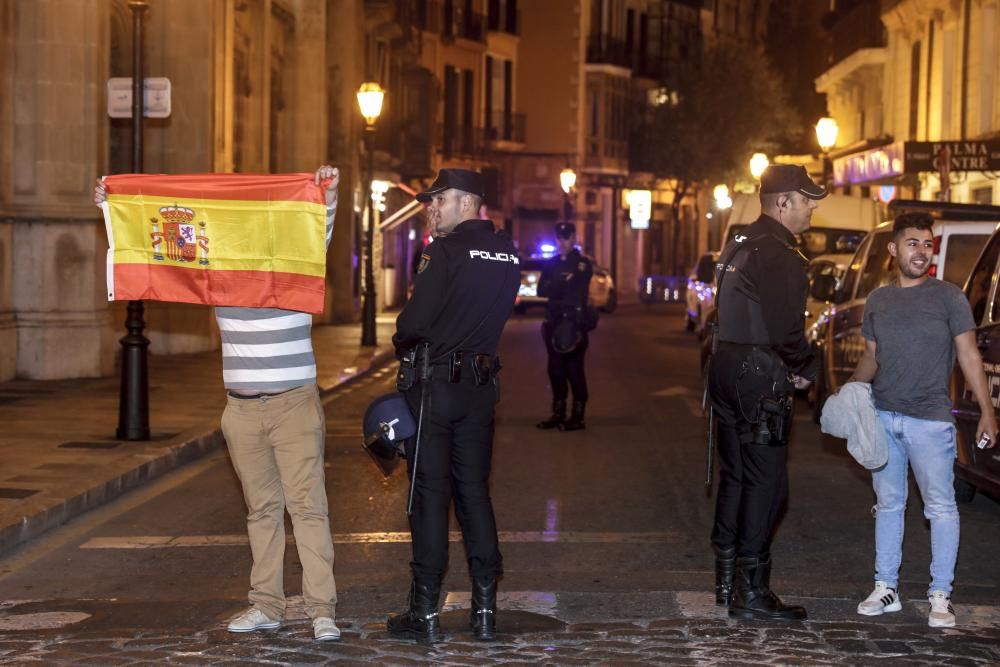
[[370, 97], [133, 396], [826, 135]]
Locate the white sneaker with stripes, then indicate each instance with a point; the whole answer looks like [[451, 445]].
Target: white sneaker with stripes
[[881, 600], [942, 614]]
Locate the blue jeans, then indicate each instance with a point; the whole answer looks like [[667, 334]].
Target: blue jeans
[[929, 448]]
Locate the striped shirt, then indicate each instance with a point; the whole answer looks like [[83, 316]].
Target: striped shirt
[[269, 350]]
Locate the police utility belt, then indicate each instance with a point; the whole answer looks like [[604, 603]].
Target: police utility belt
[[771, 415], [416, 368]]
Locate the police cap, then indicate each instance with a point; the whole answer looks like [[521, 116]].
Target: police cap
[[465, 180], [789, 178], [564, 230]]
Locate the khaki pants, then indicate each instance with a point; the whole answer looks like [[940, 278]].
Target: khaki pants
[[276, 445]]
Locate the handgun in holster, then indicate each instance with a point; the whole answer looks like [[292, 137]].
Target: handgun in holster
[[773, 418], [484, 368]]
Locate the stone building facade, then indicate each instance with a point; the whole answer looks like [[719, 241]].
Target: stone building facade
[[257, 86], [912, 71]]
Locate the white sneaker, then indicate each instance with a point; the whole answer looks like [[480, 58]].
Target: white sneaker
[[252, 619], [325, 630], [881, 600], [942, 614]]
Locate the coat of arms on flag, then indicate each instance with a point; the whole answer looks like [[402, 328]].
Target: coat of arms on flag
[[268, 239], [184, 242]]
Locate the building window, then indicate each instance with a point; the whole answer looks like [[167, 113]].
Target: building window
[[982, 195], [499, 98], [451, 92]]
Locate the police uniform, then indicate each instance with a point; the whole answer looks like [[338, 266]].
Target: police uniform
[[762, 290], [565, 281], [464, 293]]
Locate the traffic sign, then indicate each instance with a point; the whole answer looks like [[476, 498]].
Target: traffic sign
[[155, 102]]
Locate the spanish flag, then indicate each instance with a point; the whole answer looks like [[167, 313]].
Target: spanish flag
[[250, 240]]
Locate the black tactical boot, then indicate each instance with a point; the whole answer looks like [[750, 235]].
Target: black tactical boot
[[725, 565], [557, 418], [753, 599], [575, 421], [483, 619], [420, 621]]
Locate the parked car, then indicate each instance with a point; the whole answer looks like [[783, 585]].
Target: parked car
[[960, 232], [824, 265], [980, 468], [700, 293], [601, 293]]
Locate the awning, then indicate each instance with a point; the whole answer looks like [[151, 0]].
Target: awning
[[401, 216]]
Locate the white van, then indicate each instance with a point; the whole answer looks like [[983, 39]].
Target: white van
[[838, 224]]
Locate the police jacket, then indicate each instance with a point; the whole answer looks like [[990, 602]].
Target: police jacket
[[566, 281], [762, 298], [463, 293]]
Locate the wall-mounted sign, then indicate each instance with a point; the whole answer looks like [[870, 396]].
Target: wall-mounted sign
[[155, 98], [964, 155], [871, 165], [640, 203], [914, 157]]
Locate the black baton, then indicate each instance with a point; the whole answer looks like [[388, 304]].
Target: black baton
[[424, 380]]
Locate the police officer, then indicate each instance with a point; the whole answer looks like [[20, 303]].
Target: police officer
[[762, 356], [465, 289], [565, 281]]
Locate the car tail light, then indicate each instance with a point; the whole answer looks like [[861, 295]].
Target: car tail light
[[934, 258]]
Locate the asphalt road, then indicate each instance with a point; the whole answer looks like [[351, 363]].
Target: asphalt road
[[603, 526]]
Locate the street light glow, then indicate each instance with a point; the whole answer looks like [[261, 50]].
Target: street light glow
[[722, 198], [758, 163], [567, 179], [370, 97], [826, 133]]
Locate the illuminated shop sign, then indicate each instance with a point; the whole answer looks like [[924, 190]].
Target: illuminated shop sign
[[870, 165], [914, 157]]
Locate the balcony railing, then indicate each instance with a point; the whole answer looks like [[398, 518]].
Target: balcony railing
[[860, 28], [449, 19], [501, 126], [459, 141], [604, 50]]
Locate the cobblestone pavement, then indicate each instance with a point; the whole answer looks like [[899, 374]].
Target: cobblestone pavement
[[530, 638]]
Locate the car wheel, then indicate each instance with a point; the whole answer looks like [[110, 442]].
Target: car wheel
[[964, 491]]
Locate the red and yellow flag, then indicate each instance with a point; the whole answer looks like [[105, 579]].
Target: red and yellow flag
[[220, 239]]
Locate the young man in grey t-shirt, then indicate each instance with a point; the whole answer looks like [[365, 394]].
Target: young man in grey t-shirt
[[914, 328]]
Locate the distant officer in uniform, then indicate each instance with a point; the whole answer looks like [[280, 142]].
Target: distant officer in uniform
[[465, 289], [565, 281], [762, 357]]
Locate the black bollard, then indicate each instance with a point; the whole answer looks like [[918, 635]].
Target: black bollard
[[133, 402]]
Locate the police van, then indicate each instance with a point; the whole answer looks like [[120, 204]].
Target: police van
[[980, 468], [960, 233]]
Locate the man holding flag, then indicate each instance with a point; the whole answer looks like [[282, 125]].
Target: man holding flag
[[274, 423]]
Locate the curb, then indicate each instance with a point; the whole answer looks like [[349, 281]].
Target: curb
[[191, 446]]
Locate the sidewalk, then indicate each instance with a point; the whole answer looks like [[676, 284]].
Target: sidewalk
[[58, 454]]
